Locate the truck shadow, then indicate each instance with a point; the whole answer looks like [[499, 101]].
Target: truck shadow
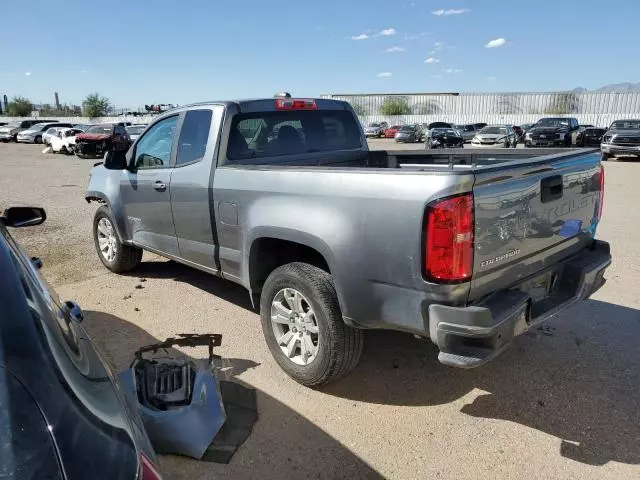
[[280, 443], [576, 378], [206, 282]]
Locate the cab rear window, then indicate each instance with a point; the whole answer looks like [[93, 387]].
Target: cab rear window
[[270, 134]]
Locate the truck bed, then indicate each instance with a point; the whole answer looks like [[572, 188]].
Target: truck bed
[[422, 160]]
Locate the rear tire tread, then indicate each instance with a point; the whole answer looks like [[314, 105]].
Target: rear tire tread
[[342, 344]]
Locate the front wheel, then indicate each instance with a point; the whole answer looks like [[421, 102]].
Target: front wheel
[[605, 156], [303, 326], [113, 254], [38, 139]]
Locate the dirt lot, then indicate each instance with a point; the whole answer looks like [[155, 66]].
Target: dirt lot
[[563, 403]]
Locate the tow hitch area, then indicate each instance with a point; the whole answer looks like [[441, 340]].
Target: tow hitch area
[[185, 410]]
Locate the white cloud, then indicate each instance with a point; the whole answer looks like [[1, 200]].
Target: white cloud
[[431, 52], [496, 42], [27, 74], [388, 32], [416, 36], [452, 70], [385, 74], [449, 11], [362, 36], [432, 60], [394, 49], [491, 79]]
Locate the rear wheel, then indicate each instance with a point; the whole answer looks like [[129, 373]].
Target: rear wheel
[[113, 254], [38, 139], [303, 326], [605, 156]]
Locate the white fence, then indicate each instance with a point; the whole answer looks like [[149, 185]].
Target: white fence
[[517, 108]]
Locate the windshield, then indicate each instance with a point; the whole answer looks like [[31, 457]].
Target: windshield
[[553, 122], [100, 129], [625, 125], [406, 128], [13, 124], [444, 131], [494, 131], [374, 125], [135, 130]]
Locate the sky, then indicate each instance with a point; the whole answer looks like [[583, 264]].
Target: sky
[[143, 52]]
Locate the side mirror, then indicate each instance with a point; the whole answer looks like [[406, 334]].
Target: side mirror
[[23, 216], [115, 160]]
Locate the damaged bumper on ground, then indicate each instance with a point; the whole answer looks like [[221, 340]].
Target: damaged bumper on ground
[[183, 407]]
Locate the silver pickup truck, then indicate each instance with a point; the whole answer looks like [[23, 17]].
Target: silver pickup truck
[[281, 195]]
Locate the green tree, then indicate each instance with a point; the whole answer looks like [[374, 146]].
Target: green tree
[[359, 109], [19, 107], [96, 106], [395, 106]]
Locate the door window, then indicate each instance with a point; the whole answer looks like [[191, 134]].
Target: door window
[[194, 135], [154, 148]]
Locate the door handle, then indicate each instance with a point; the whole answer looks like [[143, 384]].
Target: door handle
[[158, 185], [75, 312]]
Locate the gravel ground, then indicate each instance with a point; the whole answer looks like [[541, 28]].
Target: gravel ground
[[562, 403]]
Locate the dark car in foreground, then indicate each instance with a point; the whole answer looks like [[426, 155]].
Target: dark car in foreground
[[62, 413], [99, 139], [552, 132], [622, 137], [590, 137], [443, 138]]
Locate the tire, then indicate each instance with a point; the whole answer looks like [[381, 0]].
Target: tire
[[38, 139], [605, 156], [125, 257], [338, 346], [567, 141]]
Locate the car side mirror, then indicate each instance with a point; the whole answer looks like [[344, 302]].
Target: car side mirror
[[23, 216], [115, 160]]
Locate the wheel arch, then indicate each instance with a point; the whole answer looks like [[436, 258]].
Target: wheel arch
[[270, 248]]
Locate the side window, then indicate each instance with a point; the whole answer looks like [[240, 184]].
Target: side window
[[154, 148], [194, 136], [469, 128]]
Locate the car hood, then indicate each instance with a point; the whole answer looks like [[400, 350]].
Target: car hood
[[448, 137], [369, 129], [92, 136], [491, 137], [29, 132], [544, 130], [624, 133]]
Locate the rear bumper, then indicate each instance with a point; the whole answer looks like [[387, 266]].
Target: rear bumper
[[472, 336]]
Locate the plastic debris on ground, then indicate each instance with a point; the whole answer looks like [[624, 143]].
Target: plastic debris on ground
[[185, 410]]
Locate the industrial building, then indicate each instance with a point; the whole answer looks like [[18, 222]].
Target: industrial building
[[589, 107]]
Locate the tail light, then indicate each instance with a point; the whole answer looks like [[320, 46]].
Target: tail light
[[449, 240], [601, 202], [148, 470], [291, 104]]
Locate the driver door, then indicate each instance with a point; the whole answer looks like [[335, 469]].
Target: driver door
[[146, 191]]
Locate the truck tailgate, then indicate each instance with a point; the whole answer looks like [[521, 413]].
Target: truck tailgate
[[529, 215]]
